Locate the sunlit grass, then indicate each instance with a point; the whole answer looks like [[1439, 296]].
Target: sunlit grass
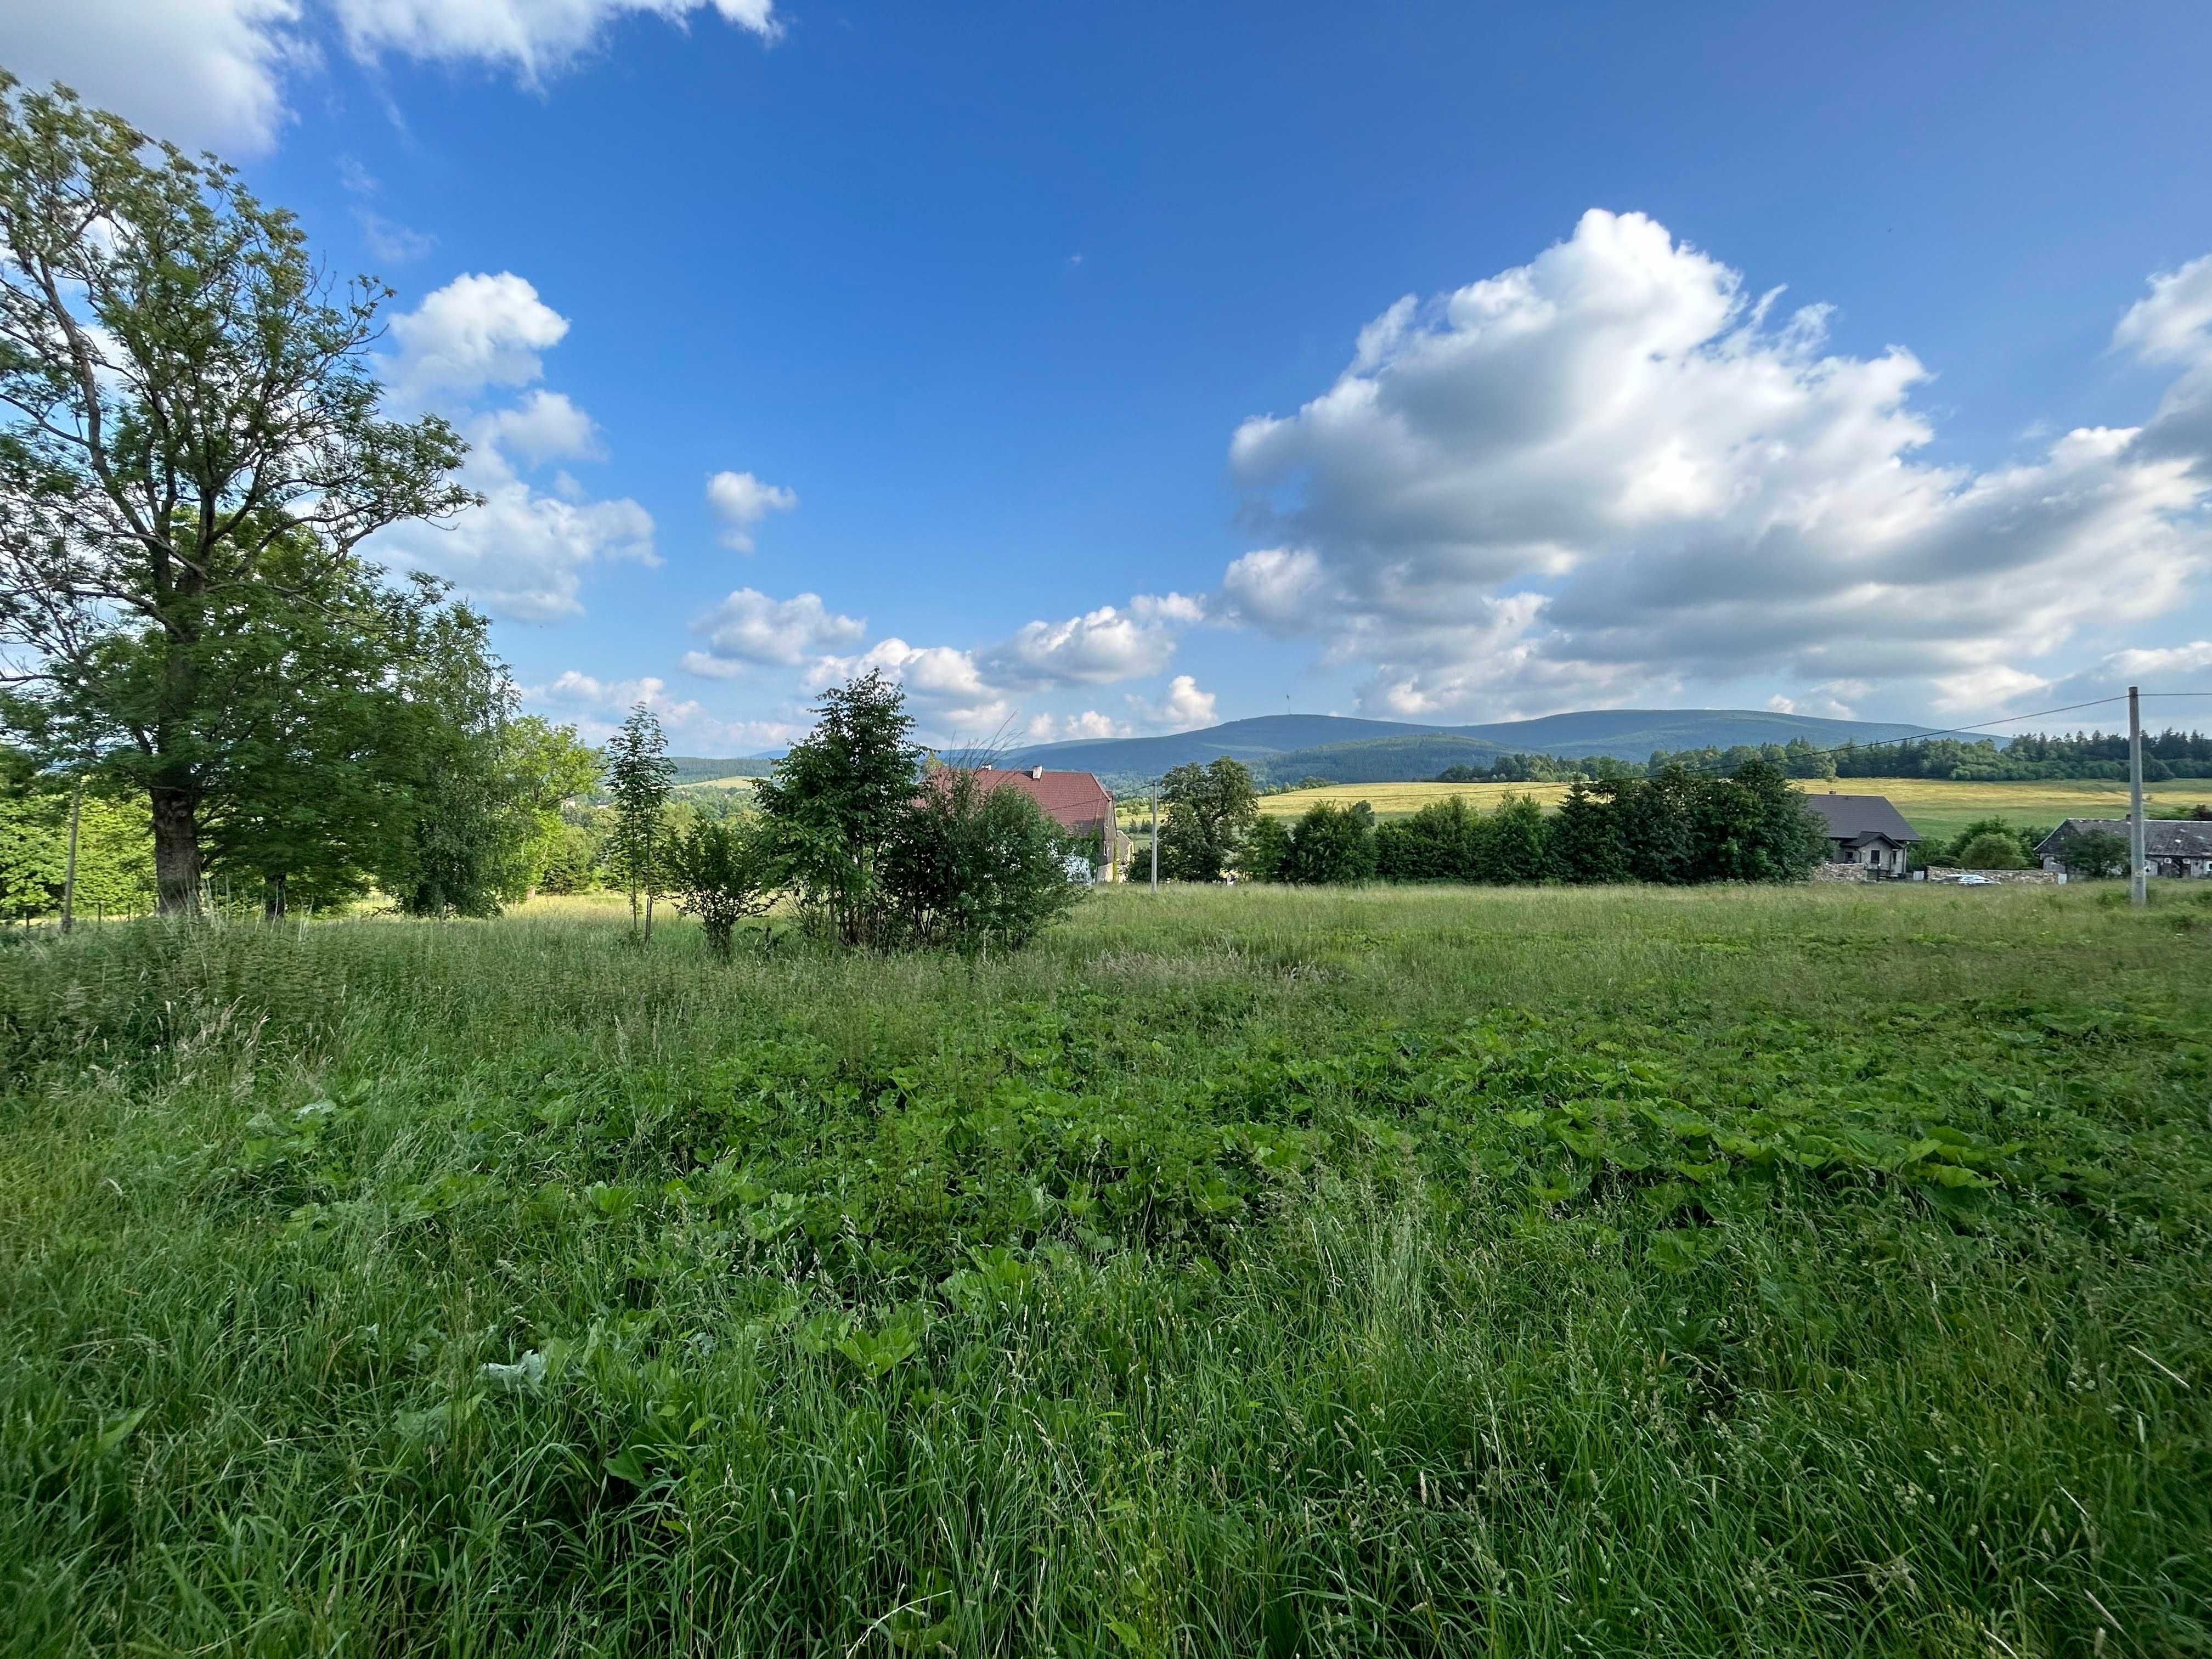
[[1260, 1271]]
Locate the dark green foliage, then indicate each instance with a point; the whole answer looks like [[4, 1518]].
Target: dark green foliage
[[638, 778], [1657, 831], [1992, 850], [1515, 843], [2095, 854], [1754, 826], [1329, 846], [1266, 845], [195, 445], [1587, 840], [1440, 842], [835, 801], [1209, 809], [1675, 829], [1988, 830], [721, 871], [971, 868]]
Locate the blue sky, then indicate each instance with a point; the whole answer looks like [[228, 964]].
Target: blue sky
[[1050, 359]]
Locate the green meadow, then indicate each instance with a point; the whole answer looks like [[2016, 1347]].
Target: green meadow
[[1258, 1271]]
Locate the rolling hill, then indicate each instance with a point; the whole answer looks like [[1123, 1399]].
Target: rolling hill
[[1286, 747]]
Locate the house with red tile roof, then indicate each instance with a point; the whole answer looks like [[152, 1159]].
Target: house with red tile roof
[[1076, 801]]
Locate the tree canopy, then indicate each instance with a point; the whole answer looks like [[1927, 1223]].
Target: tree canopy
[[194, 445]]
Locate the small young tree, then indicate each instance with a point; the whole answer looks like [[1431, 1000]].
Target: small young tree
[[639, 776], [721, 871], [835, 801]]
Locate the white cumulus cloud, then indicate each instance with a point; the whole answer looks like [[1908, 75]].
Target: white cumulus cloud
[[749, 627], [1185, 707], [218, 73], [478, 331], [533, 38], [596, 707], [740, 501], [544, 427], [1611, 471], [1089, 725], [199, 73], [525, 552]]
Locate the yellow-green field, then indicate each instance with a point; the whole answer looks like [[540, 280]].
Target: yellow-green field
[[1935, 807], [745, 782]]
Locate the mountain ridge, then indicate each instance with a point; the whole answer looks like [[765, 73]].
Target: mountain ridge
[[1349, 751]]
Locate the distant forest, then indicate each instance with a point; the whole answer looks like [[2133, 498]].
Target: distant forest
[[2170, 754]]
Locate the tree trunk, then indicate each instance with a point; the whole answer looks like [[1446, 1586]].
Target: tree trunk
[[273, 899], [176, 852]]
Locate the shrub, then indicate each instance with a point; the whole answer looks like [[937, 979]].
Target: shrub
[[1992, 850], [1266, 851], [967, 866], [1586, 840], [721, 871]]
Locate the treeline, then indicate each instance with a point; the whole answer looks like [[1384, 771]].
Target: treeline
[[1796, 758], [2033, 755], [1679, 827], [2170, 754]]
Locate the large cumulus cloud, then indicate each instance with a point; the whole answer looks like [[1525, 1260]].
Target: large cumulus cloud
[[1613, 471]]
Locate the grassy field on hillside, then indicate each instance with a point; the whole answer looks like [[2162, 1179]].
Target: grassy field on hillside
[[1938, 808], [1441, 1271]]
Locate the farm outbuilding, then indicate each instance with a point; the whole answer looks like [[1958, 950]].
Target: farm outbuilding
[[2177, 847], [1865, 830]]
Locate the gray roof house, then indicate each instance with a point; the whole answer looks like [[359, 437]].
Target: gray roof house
[[1864, 830], [2172, 847]]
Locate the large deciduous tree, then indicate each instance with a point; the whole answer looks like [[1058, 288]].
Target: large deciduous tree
[[1210, 809], [192, 435]]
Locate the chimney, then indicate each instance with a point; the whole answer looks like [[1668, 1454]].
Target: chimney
[[1036, 774]]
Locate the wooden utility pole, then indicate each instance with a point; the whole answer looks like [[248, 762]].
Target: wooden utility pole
[[1156, 838], [68, 870], [2138, 894]]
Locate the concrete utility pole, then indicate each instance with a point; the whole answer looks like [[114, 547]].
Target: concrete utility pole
[[2138, 894], [1156, 838], [68, 870]]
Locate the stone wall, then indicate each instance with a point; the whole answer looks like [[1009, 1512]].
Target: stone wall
[[1842, 872], [2011, 878]]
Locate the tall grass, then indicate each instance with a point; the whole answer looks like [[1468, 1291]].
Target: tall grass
[[1248, 1272]]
